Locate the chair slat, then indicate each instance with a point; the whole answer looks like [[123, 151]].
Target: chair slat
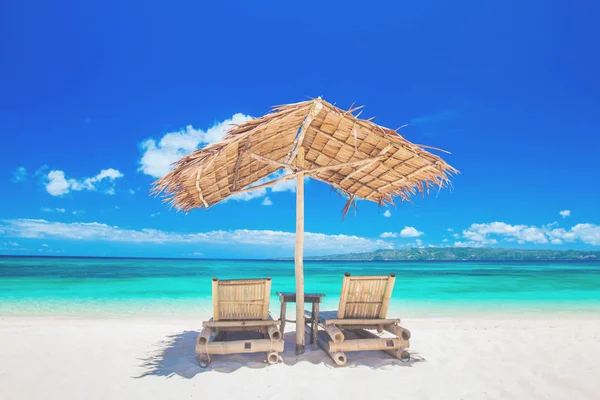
[[246, 299], [365, 297]]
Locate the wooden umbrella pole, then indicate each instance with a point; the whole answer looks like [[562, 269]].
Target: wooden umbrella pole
[[298, 254]]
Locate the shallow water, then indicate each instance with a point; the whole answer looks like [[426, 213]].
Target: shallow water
[[121, 286]]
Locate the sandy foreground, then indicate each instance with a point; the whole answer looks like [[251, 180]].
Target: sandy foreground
[[151, 358]]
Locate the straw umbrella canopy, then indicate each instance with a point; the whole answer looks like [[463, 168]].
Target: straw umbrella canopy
[[356, 157]]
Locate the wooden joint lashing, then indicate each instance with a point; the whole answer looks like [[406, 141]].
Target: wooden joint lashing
[[238, 162], [267, 160], [198, 187], [314, 110], [342, 165], [199, 175], [267, 184]]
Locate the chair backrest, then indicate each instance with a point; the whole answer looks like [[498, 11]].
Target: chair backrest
[[365, 297], [241, 299]]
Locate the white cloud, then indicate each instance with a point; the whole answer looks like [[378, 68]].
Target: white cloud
[[445, 241], [386, 235], [94, 231], [387, 213], [57, 184], [157, 157], [110, 174], [456, 236], [58, 210], [156, 214], [466, 244], [284, 186], [450, 230], [565, 213], [44, 245], [14, 244], [19, 175], [267, 202], [483, 233], [471, 243], [409, 231], [587, 233]]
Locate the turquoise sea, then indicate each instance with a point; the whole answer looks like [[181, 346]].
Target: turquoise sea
[[179, 287]]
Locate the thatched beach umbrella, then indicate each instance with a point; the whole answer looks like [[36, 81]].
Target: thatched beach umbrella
[[356, 157]]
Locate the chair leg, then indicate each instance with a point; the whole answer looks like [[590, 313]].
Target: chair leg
[[202, 347], [282, 317], [338, 357], [400, 354], [315, 331], [312, 324], [203, 360], [273, 357]]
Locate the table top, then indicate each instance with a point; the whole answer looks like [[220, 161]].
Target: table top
[[290, 297]]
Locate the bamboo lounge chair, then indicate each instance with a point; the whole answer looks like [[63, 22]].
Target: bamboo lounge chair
[[240, 305], [363, 305]]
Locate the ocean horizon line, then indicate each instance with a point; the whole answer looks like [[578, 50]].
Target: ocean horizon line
[[314, 259]]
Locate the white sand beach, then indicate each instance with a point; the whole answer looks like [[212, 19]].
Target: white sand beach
[[152, 358]]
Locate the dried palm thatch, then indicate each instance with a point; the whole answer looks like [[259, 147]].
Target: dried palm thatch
[[357, 157]]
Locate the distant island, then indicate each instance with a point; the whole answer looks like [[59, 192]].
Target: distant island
[[463, 254]]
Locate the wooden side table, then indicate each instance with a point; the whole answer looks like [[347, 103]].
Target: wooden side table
[[315, 299]]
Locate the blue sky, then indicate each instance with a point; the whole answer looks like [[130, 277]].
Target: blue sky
[[97, 97]]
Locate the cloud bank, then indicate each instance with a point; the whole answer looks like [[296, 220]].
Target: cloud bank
[[489, 233], [94, 231]]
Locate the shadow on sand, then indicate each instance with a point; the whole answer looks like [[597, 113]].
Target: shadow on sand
[[176, 356]]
